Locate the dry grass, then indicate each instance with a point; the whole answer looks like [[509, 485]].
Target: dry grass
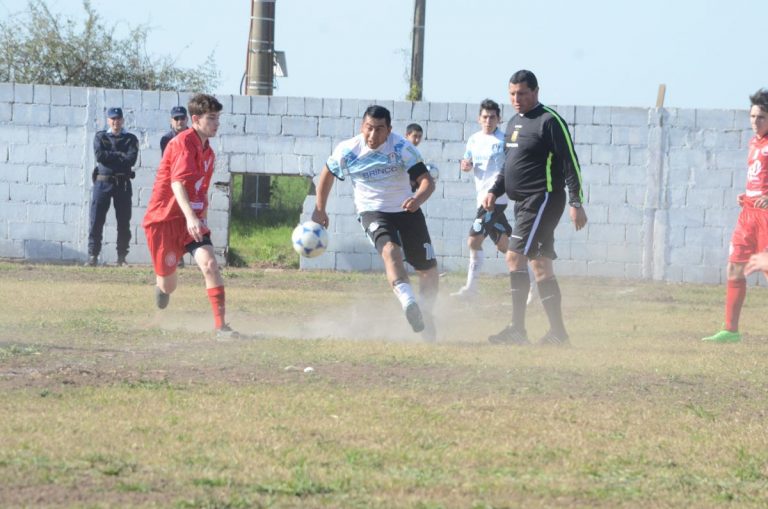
[[107, 403]]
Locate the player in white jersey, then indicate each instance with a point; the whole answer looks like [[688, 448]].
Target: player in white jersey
[[484, 156], [381, 166]]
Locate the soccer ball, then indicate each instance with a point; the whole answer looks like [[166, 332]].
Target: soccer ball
[[309, 239]]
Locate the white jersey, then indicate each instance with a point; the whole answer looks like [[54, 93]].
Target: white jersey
[[486, 151], [379, 176]]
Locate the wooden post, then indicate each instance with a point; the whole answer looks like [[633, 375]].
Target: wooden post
[[660, 96], [417, 51]]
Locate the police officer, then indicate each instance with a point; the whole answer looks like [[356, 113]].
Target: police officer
[[178, 124], [116, 152]]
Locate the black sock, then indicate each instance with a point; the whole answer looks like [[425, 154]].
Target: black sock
[[549, 292], [520, 285]]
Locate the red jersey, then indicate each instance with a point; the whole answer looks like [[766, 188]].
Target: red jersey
[[186, 160], [757, 163]]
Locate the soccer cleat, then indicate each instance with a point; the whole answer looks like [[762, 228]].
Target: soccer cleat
[[510, 335], [226, 332], [465, 293], [181, 264], [413, 314], [552, 339], [93, 260], [161, 298], [724, 336], [121, 261]]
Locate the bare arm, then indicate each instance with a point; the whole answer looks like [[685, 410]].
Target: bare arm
[[426, 186], [323, 189]]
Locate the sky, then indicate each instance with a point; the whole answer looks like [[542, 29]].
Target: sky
[[584, 52]]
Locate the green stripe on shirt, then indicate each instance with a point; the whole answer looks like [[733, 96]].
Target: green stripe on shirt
[[570, 150]]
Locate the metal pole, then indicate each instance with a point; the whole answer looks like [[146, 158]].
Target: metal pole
[[261, 49], [259, 80], [417, 52]]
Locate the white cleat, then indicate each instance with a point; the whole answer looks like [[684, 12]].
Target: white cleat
[[465, 293]]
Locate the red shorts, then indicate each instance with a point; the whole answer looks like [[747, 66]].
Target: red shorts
[[750, 235], [167, 243]]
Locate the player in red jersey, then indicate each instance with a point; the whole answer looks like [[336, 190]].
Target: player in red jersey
[[175, 218], [750, 235]]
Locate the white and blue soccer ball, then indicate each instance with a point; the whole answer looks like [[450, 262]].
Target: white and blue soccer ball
[[309, 239]]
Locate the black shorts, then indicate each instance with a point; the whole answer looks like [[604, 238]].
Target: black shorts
[[192, 246], [406, 229], [491, 224], [536, 217]]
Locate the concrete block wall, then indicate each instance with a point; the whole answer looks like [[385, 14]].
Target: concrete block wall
[[46, 159], [660, 189], [660, 185]]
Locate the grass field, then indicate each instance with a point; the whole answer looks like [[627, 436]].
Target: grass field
[[107, 403], [260, 241]]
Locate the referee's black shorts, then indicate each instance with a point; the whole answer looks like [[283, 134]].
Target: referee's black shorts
[[536, 217], [406, 229]]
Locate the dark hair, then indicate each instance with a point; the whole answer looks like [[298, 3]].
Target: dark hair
[[760, 98], [525, 76], [490, 105], [200, 104], [376, 111], [413, 128]]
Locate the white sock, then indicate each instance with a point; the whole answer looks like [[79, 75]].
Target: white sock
[[404, 294], [476, 258]]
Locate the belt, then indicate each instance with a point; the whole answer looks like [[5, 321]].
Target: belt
[[111, 178]]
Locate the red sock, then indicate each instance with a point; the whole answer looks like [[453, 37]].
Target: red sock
[[216, 296], [736, 290]]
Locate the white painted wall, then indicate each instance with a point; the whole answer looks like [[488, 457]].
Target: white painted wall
[[661, 185]]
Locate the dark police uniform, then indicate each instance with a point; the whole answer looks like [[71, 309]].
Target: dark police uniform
[[165, 139], [540, 161], [177, 112], [115, 157]]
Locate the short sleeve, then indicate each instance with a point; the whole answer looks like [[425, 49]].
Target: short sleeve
[[336, 163], [183, 161], [411, 156], [468, 150]]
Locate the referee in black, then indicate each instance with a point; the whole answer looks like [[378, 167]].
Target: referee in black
[[540, 162]]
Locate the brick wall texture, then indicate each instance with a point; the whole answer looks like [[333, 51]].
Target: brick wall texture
[[660, 184]]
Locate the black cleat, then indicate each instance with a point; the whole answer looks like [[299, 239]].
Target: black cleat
[[552, 339], [226, 333], [510, 335], [93, 261], [121, 261], [161, 298], [413, 314]]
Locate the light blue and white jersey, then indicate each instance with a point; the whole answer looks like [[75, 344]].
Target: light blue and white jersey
[[379, 177], [486, 151]]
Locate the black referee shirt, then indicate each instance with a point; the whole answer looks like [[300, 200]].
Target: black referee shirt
[[539, 156]]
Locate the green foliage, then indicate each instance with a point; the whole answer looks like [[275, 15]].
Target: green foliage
[[39, 46], [414, 93]]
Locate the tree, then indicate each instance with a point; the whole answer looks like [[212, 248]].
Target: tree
[[40, 47]]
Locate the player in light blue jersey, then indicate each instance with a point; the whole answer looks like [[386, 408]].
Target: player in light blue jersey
[[381, 165], [484, 157]]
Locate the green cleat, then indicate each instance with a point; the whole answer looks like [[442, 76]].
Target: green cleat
[[724, 336]]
